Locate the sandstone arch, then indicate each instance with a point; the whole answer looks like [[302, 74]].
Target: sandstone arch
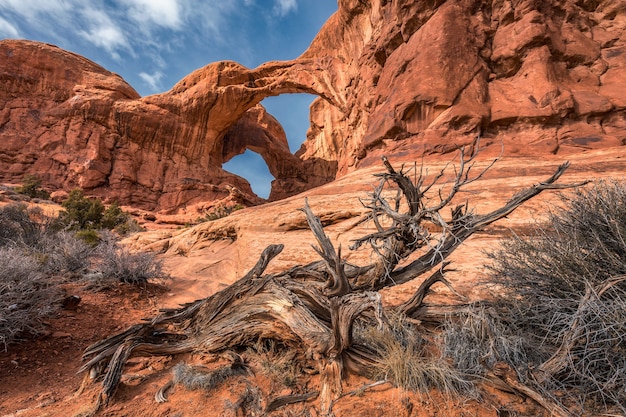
[[405, 77], [159, 152]]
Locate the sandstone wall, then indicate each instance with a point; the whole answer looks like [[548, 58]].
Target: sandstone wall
[[404, 77], [420, 77]]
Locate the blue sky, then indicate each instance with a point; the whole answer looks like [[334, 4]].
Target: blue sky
[[152, 44]]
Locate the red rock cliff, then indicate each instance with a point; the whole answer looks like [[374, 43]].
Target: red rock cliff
[[408, 77], [423, 76]]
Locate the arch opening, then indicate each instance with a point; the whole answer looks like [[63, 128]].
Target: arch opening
[[251, 166], [292, 112]]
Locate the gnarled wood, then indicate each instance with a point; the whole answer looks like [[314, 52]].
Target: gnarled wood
[[312, 308]]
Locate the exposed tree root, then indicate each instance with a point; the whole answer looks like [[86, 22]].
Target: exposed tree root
[[312, 308]]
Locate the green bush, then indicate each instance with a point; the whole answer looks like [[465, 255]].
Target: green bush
[[84, 213], [31, 186], [113, 216], [90, 237], [81, 212]]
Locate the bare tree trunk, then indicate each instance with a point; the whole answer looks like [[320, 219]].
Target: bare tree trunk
[[312, 308]]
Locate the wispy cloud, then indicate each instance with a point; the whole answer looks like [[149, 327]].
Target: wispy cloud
[[153, 80], [162, 13], [31, 9], [284, 7], [105, 33], [7, 30], [212, 17]]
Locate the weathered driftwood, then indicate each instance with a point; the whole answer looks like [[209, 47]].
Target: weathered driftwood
[[312, 308], [507, 375]]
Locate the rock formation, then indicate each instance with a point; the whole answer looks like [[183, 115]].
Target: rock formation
[[423, 76], [396, 77], [78, 125]]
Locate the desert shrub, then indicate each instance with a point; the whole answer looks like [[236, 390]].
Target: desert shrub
[[405, 361], [16, 225], [219, 212], [84, 213], [31, 186], [81, 212], [277, 362], [63, 252], [118, 264], [566, 285], [90, 237], [199, 378], [114, 218], [480, 337], [26, 295]]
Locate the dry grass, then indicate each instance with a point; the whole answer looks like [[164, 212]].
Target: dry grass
[[196, 378], [26, 295], [405, 361], [277, 362], [564, 291]]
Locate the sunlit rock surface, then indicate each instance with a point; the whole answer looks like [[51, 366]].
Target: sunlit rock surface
[[403, 78]]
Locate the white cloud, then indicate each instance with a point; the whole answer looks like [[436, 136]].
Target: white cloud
[[153, 80], [164, 13], [33, 8], [45, 15], [103, 32], [283, 7], [7, 30], [211, 16]]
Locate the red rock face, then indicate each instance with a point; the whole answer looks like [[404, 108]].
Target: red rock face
[[78, 125], [535, 77], [393, 77]]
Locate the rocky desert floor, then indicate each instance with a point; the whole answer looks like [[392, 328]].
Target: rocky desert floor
[[38, 377]]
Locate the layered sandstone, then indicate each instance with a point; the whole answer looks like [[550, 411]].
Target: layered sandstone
[[535, 77], [400, 77], [77, 125]]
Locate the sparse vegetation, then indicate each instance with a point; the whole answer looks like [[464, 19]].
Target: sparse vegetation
[[37, 256], [558, 315], [219, 212], [564, 292], [26, 295], [31, 186], [17, 227]]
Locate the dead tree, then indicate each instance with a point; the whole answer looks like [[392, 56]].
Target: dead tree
[[312, 308]]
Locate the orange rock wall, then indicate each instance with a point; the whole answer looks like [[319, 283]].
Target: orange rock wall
[[406, 77]]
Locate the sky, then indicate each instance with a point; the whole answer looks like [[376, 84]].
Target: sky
[[153, 44]]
